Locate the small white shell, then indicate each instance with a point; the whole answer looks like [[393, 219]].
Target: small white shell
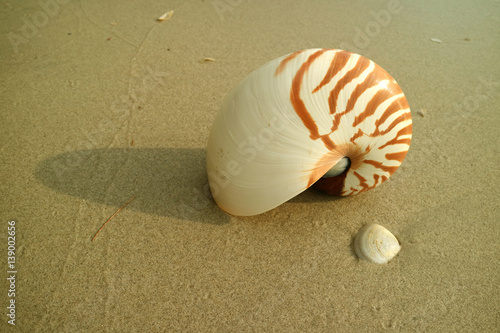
[[376, 244]]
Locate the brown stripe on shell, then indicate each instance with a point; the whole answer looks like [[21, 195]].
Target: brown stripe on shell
[[358, 134], [399, 156], [285, 61], [299, 106], [396, 140], [361, 65], [381, 166], [398, 104], [366, 188], [362, 181], [380, 97], [338, 62]]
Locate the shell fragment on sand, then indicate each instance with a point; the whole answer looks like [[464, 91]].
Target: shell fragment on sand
[[165, 16]]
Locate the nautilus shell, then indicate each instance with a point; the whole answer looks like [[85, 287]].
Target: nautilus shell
[[318, 116]]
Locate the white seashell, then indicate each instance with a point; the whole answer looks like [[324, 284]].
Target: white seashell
[[376, 244], [295, 118], [165, 16]]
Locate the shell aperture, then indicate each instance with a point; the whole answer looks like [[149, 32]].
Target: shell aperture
[[293, 119]]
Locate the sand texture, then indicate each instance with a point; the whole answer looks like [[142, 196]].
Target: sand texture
[[100, 103]]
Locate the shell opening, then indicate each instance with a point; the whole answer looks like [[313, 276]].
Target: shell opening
[[332, 182], [339, 168]]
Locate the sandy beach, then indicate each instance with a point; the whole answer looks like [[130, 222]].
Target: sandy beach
[[102, 103]]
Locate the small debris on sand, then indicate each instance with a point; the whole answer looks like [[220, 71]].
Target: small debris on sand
[[422, 112], [207, 60], [165, 16]]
